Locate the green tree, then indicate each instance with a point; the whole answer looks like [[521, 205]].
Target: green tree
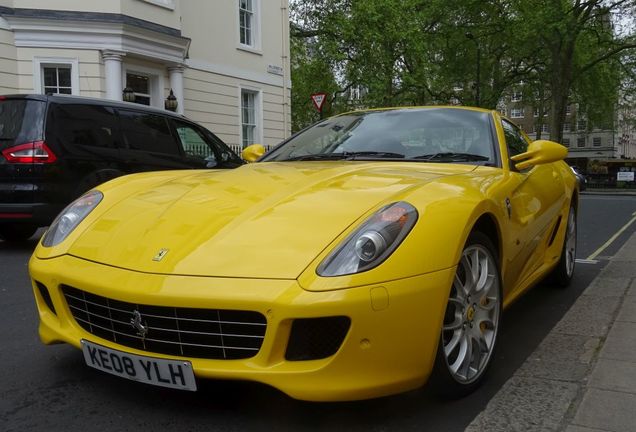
[[416, 52]]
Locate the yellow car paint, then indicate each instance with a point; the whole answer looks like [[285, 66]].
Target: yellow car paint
[[252, 239]]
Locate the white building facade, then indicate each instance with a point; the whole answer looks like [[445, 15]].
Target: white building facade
[[226, 61]]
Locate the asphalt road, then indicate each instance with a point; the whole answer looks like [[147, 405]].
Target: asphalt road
[[50, 388]]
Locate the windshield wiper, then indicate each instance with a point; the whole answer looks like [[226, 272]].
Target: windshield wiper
[[452, 157], [317, 156], [373, 154], [347, 156]]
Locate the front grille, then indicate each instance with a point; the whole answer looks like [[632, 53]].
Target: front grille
[[189, 332]]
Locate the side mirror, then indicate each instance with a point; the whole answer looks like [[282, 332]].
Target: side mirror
[[540, 152], [253, 152]]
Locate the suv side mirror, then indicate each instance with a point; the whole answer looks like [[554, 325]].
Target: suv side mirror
[[540, 152], [253, 152]]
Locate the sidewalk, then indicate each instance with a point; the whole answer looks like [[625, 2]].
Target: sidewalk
[[582, 377]]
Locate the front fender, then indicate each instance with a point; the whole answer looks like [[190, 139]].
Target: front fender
[[447, 215]]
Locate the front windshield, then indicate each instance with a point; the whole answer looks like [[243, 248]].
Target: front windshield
[[426, 134]]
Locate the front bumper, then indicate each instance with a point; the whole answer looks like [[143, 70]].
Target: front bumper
[[390, 346]]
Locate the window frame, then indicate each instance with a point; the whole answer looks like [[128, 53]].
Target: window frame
[[258, 115], [155, 83], [519, 110], [39, 63], [255, 44]]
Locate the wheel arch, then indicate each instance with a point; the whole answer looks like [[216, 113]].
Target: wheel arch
[[487, 224]]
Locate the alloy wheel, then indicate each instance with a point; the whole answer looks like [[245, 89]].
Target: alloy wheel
[[472, 315]]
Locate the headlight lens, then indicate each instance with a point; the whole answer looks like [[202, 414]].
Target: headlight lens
[[71, 217], [372, 243]]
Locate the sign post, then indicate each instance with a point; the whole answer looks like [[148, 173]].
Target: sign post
[[319, 100]]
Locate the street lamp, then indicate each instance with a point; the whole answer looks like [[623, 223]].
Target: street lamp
[[470, 36], [171, 103], [128, 95]]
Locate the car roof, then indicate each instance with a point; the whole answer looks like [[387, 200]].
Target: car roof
[[68, 99], [408, 108]]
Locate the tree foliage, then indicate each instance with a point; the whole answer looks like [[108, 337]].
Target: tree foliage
[[471, 52]]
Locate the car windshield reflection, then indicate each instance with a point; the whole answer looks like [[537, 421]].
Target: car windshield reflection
[[419, 134]]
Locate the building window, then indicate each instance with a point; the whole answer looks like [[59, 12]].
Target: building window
[[581, 125], [566, 142], [544, 128], [56, 79], [580, 142], [168, 4], [55, 75], [140, 85], [249, 111], [516, 113], [568, 109], [567, 127], [516, 96], [596, 141], [249, 23]]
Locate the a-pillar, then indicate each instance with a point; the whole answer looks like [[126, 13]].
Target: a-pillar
[[176, 84], [113, 72]]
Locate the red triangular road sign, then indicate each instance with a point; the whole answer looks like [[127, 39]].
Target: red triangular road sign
[[319, 100]]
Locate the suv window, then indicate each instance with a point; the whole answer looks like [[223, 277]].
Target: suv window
[[193, 142], [21, 121], [147, 132], [86, 125]]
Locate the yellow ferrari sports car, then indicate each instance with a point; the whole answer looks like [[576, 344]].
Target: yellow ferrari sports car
[[366, 255]]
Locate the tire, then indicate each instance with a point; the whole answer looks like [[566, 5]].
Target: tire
[[17, 232], [471, 321], [563, 272]]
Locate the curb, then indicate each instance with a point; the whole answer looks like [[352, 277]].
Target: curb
[[582, 376], [611, 192]]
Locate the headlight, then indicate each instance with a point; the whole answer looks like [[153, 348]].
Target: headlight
[[70, 218], [372, 243]]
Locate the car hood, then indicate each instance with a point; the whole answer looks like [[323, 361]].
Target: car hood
[[264, 220]]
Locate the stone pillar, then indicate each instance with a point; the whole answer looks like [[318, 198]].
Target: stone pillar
[[113, 74], [176, 84]]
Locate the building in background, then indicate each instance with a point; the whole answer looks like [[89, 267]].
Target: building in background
[[225, 61], [584, 141]]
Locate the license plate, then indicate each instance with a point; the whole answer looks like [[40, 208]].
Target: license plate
[[175, 374]]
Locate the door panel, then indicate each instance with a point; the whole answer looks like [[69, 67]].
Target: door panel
[[535, 202]]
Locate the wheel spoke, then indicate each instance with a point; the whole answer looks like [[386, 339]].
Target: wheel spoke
[[466, 367], [461, 356], [460, 288], [471, 280], [455, 340], [456, 324]]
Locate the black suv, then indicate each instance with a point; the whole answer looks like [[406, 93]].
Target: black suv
[[54, 148]]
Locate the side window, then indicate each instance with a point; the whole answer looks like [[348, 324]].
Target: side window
[[514, 140], [147, 132], [193, 142], [85, 125]]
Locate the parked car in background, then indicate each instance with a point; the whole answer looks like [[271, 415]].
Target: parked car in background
[[55, 148], [580, 178]]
